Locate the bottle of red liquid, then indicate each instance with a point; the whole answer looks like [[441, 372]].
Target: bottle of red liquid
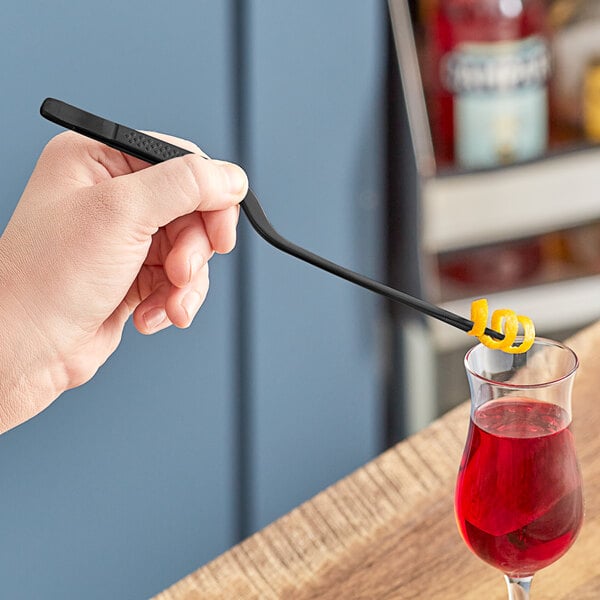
[[490, 63]]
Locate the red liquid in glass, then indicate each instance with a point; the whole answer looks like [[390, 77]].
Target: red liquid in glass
[[519, 503]]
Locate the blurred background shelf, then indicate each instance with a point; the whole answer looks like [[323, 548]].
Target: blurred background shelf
[[460, 210], [525, 235]]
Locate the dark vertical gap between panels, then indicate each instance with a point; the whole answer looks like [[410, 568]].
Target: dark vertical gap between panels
[[242, 434], [402, 244], [394, 416]]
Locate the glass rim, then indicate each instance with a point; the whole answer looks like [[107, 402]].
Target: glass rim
[[540, 341]]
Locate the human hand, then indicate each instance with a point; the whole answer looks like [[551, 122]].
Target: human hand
[[96, 237]]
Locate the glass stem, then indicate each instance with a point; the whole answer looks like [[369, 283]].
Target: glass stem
[[518, 587]]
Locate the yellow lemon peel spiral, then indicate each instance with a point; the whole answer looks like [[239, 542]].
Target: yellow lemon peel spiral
[[504, 321]]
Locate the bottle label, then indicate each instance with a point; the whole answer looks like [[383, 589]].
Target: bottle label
[[500, 100]]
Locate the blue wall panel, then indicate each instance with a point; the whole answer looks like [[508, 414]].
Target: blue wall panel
[[124, 485], [315, 153]]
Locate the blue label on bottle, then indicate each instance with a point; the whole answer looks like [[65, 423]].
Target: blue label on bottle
[[500, 100]]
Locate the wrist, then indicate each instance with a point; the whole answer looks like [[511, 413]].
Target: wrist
[[31, 373]]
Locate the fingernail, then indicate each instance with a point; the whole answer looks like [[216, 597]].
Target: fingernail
[[195, 262], [190, 304], [154, 317], [237, 178]]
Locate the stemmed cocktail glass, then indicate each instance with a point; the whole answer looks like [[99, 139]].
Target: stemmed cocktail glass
[[519, 502]]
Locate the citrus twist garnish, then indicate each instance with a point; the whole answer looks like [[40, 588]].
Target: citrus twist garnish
[[503, 321]]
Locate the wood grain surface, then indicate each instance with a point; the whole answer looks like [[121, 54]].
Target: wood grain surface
[[387, 531]]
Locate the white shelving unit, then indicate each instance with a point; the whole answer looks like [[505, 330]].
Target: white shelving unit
[[461, 210], [470, 209]]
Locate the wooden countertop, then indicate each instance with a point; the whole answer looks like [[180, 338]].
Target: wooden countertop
[[387, 531]]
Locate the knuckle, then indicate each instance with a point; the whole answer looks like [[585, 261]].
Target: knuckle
[[193, 175], [201, 181]]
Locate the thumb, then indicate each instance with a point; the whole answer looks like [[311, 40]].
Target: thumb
[[161, 193]]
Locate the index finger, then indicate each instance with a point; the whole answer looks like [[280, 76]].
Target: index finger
[[159, 194]]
